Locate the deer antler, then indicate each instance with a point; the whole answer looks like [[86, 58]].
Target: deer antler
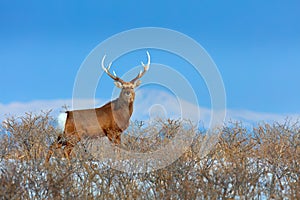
[[146, 68], [106, 70]]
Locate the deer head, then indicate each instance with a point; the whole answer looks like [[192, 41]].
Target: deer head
[[127, 93]]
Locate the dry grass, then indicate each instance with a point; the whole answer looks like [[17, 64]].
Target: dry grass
[[258, 163]]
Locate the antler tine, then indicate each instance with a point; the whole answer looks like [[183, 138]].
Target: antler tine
[[146, 68], [102, 64], [106, 70], [148, 63]]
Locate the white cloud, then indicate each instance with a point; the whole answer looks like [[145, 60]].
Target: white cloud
[[173, 107], [148, 105], [251, 117], [19, 108]]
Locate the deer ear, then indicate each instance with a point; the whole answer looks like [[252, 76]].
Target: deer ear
[[118, 84], [137, 83]]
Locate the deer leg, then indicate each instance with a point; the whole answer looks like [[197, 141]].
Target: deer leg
[[55, 145], [72, 141], [117, 140], [49, 154], [114, 138], [67, 150]]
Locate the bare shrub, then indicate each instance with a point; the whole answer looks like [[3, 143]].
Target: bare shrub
[[246, 163]]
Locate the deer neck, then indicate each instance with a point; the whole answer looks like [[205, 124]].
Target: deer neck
[[121, 104]]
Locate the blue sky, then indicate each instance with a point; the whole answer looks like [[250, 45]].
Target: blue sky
[[255, 45]]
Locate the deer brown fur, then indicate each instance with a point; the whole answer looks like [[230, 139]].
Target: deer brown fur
[[109, 120]]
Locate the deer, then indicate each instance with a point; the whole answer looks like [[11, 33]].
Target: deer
[[110, 120]]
